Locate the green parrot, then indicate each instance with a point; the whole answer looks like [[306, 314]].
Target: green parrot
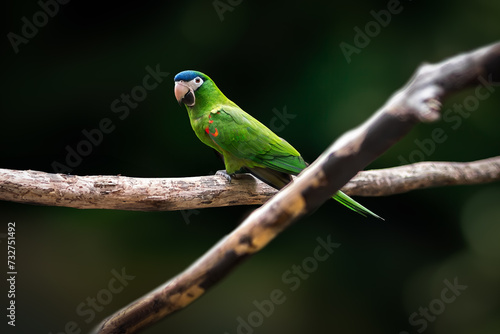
[[242, 141]]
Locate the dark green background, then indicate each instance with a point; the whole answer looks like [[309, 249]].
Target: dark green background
[[263, 56]]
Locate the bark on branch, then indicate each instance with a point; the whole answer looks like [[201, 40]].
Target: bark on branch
[[155, 194], [418, 101]]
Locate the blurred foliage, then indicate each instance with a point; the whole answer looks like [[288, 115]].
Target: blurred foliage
[[264, 56]]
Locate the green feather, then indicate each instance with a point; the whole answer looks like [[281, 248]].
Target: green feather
[[353, 205]]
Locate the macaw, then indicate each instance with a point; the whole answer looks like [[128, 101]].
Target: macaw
[[242, 141]]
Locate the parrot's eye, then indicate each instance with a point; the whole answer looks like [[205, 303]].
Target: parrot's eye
[[198, 81]]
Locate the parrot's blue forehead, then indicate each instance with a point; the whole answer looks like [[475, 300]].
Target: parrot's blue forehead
[[189, 75]]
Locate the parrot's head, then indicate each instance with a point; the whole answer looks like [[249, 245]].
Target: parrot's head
[[191, 84]]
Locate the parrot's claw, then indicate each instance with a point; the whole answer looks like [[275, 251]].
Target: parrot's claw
[[224, 174]]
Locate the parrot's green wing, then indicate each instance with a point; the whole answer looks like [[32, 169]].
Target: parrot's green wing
[[246, 138], [267, 156]]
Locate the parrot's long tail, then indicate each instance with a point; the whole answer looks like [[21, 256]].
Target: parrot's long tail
[[353, 205], [278, 180]]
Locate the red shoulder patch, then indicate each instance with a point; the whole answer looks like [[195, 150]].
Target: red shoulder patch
[[215, 134]]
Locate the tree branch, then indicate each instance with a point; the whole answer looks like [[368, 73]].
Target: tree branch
[[419, 100], [396, 180], [156, 194]]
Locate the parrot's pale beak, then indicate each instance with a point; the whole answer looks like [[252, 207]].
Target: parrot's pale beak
[[184, 94]]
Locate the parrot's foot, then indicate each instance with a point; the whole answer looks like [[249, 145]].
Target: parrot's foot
[[224, 174]]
